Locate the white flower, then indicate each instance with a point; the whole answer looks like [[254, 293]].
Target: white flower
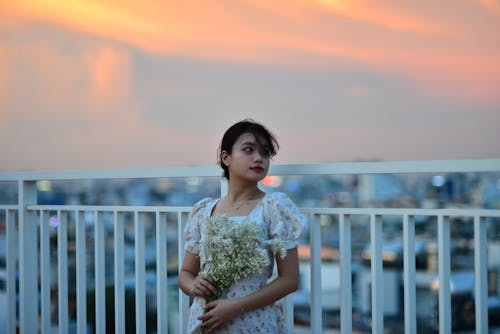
[[235, 250]]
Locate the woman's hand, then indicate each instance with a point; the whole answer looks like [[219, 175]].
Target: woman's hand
[[218, 313], [203, 286]]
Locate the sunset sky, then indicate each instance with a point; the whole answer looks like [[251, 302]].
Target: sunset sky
[[139, 84]]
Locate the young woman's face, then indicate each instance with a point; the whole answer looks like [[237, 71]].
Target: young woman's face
[[248, 159]]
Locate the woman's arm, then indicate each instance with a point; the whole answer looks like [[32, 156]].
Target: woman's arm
[[191, 282], [286, 283], [221, 311]]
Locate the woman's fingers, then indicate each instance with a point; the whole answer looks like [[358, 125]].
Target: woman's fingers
[[217, 313], [204, 286], [210, 325], [207, 285], [208, 278], [210, 322]]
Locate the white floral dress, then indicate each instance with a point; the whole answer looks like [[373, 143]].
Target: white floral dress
[[276, 217]]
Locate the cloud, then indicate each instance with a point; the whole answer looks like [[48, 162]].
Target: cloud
[[106, 85], [379, 14], [491, 5], [448, 51], [72, 106]]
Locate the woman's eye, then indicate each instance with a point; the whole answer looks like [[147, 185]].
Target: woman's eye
[[248, 149]]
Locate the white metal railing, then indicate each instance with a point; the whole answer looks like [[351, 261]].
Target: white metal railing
[[33, 218], [408, 215]]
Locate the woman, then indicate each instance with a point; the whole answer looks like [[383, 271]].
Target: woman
[[248, 305]]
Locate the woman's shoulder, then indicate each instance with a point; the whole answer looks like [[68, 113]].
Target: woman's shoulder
[[285, 219], [278, 201], [277, 196], [203, 204]]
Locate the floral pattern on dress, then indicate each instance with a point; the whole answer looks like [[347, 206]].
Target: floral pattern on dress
[[276, 217]]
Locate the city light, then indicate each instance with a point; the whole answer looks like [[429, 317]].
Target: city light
[[438, 180], [272, 181], [44, 185], [54, 221]]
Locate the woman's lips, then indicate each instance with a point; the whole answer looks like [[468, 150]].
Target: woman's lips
[[257, 169]]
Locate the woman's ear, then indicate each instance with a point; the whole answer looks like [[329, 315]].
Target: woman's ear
[[225, 158]]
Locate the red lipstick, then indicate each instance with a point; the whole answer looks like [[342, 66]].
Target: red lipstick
[[257, 169]]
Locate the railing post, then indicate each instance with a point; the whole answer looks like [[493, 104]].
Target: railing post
[[28, 256], [183, 298], [480, 274], [140, 275], [45, 279], [161, 272], [224, 186], [81, 272], [62, 271], [315, 244], [118, 220], [12, 237], [444, 274], [409, 274], [288, 313], [100, 276], [376, 274], [345, 275]]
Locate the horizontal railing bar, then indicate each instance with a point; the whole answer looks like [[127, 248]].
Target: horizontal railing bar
[[308, 210], [110, 208], [9, 207], [377, 167], [196, 171], [401, 212], [389, 167]]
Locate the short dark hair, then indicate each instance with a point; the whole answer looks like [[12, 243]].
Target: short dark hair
[[263, 136]]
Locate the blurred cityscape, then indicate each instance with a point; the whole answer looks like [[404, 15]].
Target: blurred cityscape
[[456, 190]]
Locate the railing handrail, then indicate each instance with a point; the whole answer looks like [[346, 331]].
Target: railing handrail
[[31, 217], [376, 167], [469, 212]]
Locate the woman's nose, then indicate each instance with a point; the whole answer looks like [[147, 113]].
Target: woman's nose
[[259, 156]]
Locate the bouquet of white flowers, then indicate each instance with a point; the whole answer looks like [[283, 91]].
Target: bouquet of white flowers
[[235, 250]]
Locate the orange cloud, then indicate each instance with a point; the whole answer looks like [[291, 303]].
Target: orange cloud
[[374, 12], [3, 77], [87, 15], [109, 72], [418, 39], [492, 5]]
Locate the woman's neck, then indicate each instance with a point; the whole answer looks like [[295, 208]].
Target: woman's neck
[[236, 194], [238, 191]]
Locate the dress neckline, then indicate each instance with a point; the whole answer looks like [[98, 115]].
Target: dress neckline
[[243, 216]]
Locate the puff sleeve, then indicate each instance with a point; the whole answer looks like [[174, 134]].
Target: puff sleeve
[[286, 221], [192, 233]]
